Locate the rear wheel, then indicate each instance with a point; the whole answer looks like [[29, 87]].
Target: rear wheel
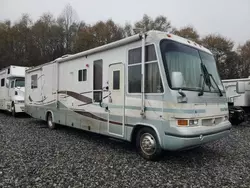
[[50, 121], [147, 144], [13, 110]]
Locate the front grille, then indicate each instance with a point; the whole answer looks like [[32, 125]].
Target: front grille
[[212, 121]]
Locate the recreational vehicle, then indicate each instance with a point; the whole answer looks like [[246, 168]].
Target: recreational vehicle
[[238, 96], [12, 89], [155, 89]]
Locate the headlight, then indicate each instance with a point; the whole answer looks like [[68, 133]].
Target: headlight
[[193, 122], [185, 122]]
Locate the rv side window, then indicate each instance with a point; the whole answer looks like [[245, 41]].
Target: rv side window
[[153, 83], [116, 80], [2, 82], [134, 56], [97, 81], [8, 70], [82, 75], [34, 81]]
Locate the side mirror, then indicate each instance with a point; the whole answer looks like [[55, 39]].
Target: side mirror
[[240, 87], [177, 79]]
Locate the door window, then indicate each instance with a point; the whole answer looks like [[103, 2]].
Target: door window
[[34, 81], [116, 80], [97, 81]]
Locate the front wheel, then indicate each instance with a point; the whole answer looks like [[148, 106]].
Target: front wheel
[[147, 144], [13, 110], [50, 122]]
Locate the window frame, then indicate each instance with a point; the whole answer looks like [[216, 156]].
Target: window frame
[[82, 71], [158, 59], [32, 86]]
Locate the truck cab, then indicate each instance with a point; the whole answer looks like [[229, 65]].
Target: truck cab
[[12, 89], [16, 94]]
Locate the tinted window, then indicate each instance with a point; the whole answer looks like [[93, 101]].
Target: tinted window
[[116, 80], [153, 83], [82, 75], [2, 82], [34, 81], [134, 56], [134, 79], [20, 83], [150, 53], [98, 72]]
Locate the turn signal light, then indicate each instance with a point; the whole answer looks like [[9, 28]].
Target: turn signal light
[[182, 122]]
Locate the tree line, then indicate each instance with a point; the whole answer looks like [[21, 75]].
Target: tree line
[[28, 43]]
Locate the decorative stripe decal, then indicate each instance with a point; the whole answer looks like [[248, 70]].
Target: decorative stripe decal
[[31, 100], [77, 96], [196, 136], [90, 115], [169, 110]]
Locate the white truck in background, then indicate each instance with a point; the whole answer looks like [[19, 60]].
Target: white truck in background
[[12, 88], [238, 96]]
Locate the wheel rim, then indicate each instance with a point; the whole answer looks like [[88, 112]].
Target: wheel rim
[[148, 144], [50, 123]]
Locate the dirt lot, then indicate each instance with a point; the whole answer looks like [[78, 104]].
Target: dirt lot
[[33, 156]]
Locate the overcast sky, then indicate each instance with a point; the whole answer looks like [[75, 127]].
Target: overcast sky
[[230, 18]]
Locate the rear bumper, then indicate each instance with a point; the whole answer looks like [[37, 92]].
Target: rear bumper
[[180, 142]]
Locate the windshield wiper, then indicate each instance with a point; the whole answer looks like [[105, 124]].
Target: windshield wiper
[[207, 80], [216, 85]]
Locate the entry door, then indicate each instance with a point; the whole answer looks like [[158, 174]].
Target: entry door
[[11, 89], [116, 102]]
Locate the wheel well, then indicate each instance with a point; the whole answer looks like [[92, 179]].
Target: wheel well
[[47, 114], [136, 130]]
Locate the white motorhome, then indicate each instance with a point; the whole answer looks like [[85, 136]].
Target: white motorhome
[[12, 89], [155, 89], [238, 91], [238, 96]]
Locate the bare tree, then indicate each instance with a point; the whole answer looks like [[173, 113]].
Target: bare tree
[[69, 20]]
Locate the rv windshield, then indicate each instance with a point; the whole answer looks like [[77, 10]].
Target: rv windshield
[[19, 82], [187, 60]]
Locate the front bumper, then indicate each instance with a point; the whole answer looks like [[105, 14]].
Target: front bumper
[[186, 141], [19, 107]]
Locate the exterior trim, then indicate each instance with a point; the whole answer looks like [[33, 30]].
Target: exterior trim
[[195, 136]]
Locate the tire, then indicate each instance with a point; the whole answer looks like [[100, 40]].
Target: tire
[[237, 115], [13, 110], [50, 122], [147, 144]]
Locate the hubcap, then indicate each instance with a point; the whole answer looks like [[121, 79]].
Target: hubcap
[[148, 144]]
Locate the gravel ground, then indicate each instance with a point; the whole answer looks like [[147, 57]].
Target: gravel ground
[[33, 156]]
